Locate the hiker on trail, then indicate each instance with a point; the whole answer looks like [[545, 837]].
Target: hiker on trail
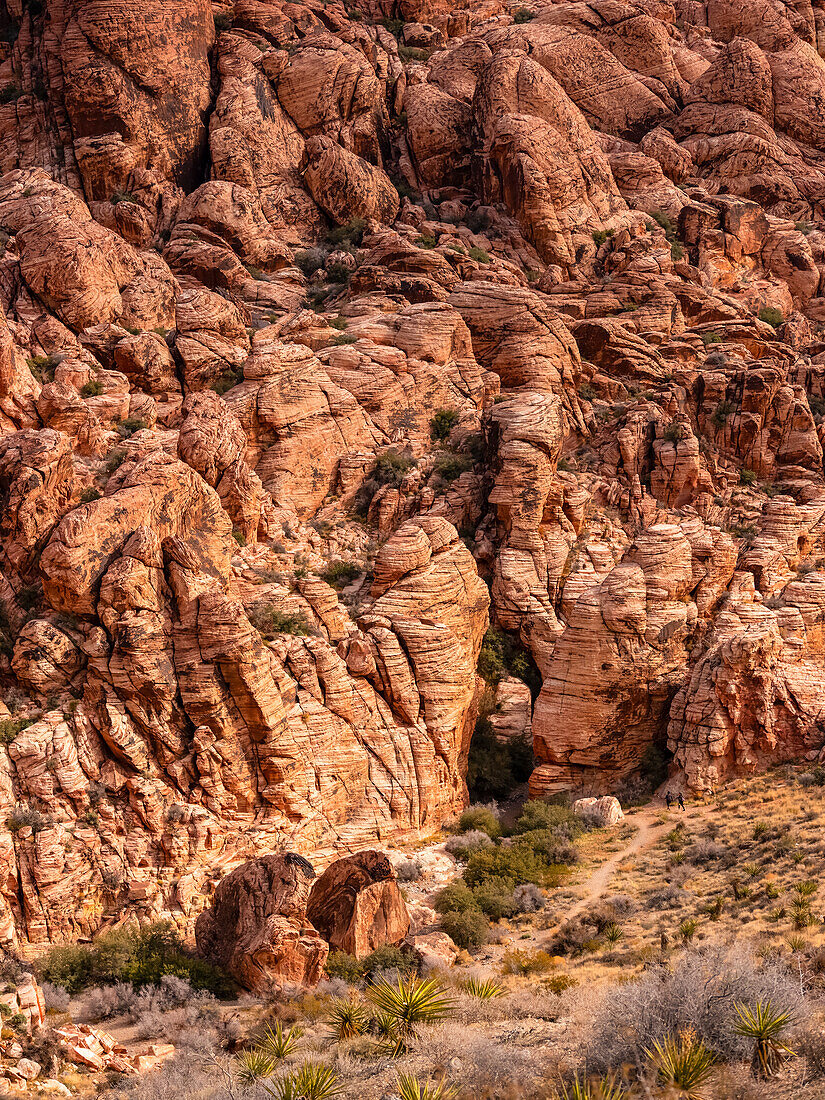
[[681, 802], [669, 799]]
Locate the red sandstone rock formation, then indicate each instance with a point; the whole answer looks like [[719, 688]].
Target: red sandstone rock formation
[[320, 348], [356, 904]]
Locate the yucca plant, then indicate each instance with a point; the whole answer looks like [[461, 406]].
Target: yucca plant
[[687, 929], [683, 1062], [279, 1042], [797, 943], [410, 1003], [765, 1025], [486, 990], [384, 1026], [310, 1082], [580, 1088], [253, 1065], [806, 889], [347, 1019], [613, 933], [410, 1088]]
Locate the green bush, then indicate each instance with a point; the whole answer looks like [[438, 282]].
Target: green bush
[[496, 765], [270, 621], [10, 727], [480, 256], [340, 573], [42, 367], [494, 897], [480, 817], [347, 967], [664, 221], [546, 815], [676, 251], [412, 53], [122, 196], [89, 494], [468, 929], [711, 338], [747, 477], [347, 236], [338, 273], [523, 15], [600, 236], [92, 388], [455, 898], [450, 467], [228, 379], [131, 425], [426, 242], [139, 956], [518, 863], [388, 957], [502, 655], [391, 468], [771, 315], [442, 424]]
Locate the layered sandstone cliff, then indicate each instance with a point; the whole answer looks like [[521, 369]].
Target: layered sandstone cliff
[[328, 336]]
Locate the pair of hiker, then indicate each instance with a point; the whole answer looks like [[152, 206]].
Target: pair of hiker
[[669, 799]]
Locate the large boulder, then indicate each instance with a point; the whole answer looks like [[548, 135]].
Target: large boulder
[[602, 811], [357, 905], [256, 928]]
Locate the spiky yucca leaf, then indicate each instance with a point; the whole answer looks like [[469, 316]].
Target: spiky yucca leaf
[[411, 1002], [684, 1062], [486, 990], [347, 1019], [410, 1088], [252, 1065], [279, 1042], [603, 1088], [764, 1024], [310, 1082]]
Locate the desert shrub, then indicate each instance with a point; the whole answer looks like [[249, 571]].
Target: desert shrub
[[496, 765], [517, 863], [310, 260], [345, 966], [391, 468], [528, 898], [10, 727], [462, 846], [122, 196], [480, 818], [389, 957], [269, 620], [340, 573], [698, 993], [494, 897], [479, 255], [92, 388], [455, 898], [549, 846], [408, 870], [670, 896], [139, 956], [747, 477], [514, 961], [502, 655], [56, 999], [547, 815], [346, 236], [600, 236], [524, 15], [442, 423], [449, 467], [771, 315], [24, 817], [228, 379], [90, 494], [468, 929], [338, 272], [704, 851]]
